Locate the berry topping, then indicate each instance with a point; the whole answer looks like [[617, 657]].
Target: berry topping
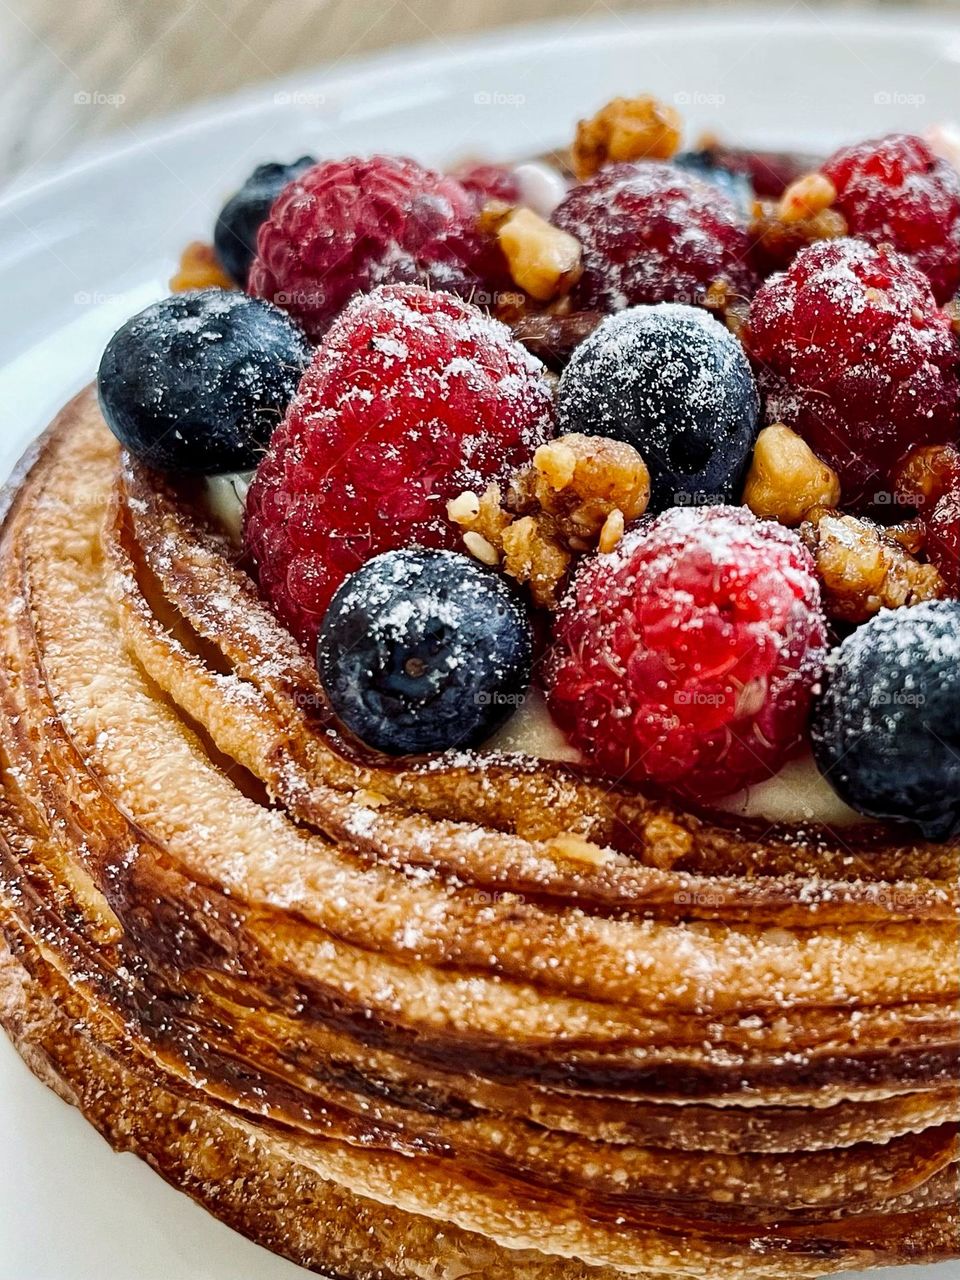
[[652, 233], [886, 730], [674, 383], [424, 650], [346, 226], [235, 235], [412, 398], [490, 182], [732, 183], [855, 355], [896, 192], [688, 656], [197, 383], [768, 172]]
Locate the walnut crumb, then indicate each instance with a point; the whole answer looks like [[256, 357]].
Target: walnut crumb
[[786, 478], [612, 531], [464, 509], [864, 568], [626, 129], [371, 799], [481, 548], [199, 269], [575, 848], [579, 493]]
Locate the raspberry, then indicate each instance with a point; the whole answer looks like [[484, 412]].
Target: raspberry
[[895, 191], [654, 233], [411, 398], [345, 226], [854, 354], [490, 182], [688, 656]]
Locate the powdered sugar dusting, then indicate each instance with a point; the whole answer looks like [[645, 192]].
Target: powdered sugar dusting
[[652, 232]]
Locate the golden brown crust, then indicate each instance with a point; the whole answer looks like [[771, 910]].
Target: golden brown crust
[[397, 997]]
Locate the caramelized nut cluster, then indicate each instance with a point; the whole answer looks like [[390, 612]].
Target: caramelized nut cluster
[[787, 478], [865, 568], [578, 495], [626, 129]]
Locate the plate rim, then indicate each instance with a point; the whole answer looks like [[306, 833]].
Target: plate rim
[[353, 72]]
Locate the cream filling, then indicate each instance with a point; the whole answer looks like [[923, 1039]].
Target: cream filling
[[797, 794], [227, 501]]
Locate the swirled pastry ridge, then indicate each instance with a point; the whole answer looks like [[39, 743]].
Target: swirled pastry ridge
[[461, 1016]]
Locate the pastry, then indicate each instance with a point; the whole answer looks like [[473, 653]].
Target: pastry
[[317, 942]]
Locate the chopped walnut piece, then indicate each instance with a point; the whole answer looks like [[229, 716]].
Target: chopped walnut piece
[[579, 493], [786, 478], [926, 474], [806, 198], [199, 269], [544, 261], [626, 129], [532, 554], [776, 240], [864, 570]]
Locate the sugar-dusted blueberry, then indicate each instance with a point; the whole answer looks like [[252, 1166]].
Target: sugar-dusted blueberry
[[886, 728], [674, 383], [424, 650], [197, 383], [235, 235]]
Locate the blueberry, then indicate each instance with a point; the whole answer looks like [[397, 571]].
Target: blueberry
[[196, 383], [735, 185], [886, 728], [235, 235], [674, 383], [424, 650]]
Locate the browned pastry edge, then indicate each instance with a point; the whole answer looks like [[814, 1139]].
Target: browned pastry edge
[[793, 1115]]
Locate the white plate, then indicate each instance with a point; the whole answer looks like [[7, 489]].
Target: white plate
[[82, 251]]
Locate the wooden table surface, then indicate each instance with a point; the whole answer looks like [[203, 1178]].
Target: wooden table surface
[[75, 70]]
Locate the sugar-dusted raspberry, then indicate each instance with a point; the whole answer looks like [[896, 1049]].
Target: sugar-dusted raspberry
[[895, 191], [854, 354], [412, 398], [346, 226], [652, 232], [688, 656], [490, 182]]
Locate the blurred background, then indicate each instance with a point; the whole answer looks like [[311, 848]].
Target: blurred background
[[74, 71]]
